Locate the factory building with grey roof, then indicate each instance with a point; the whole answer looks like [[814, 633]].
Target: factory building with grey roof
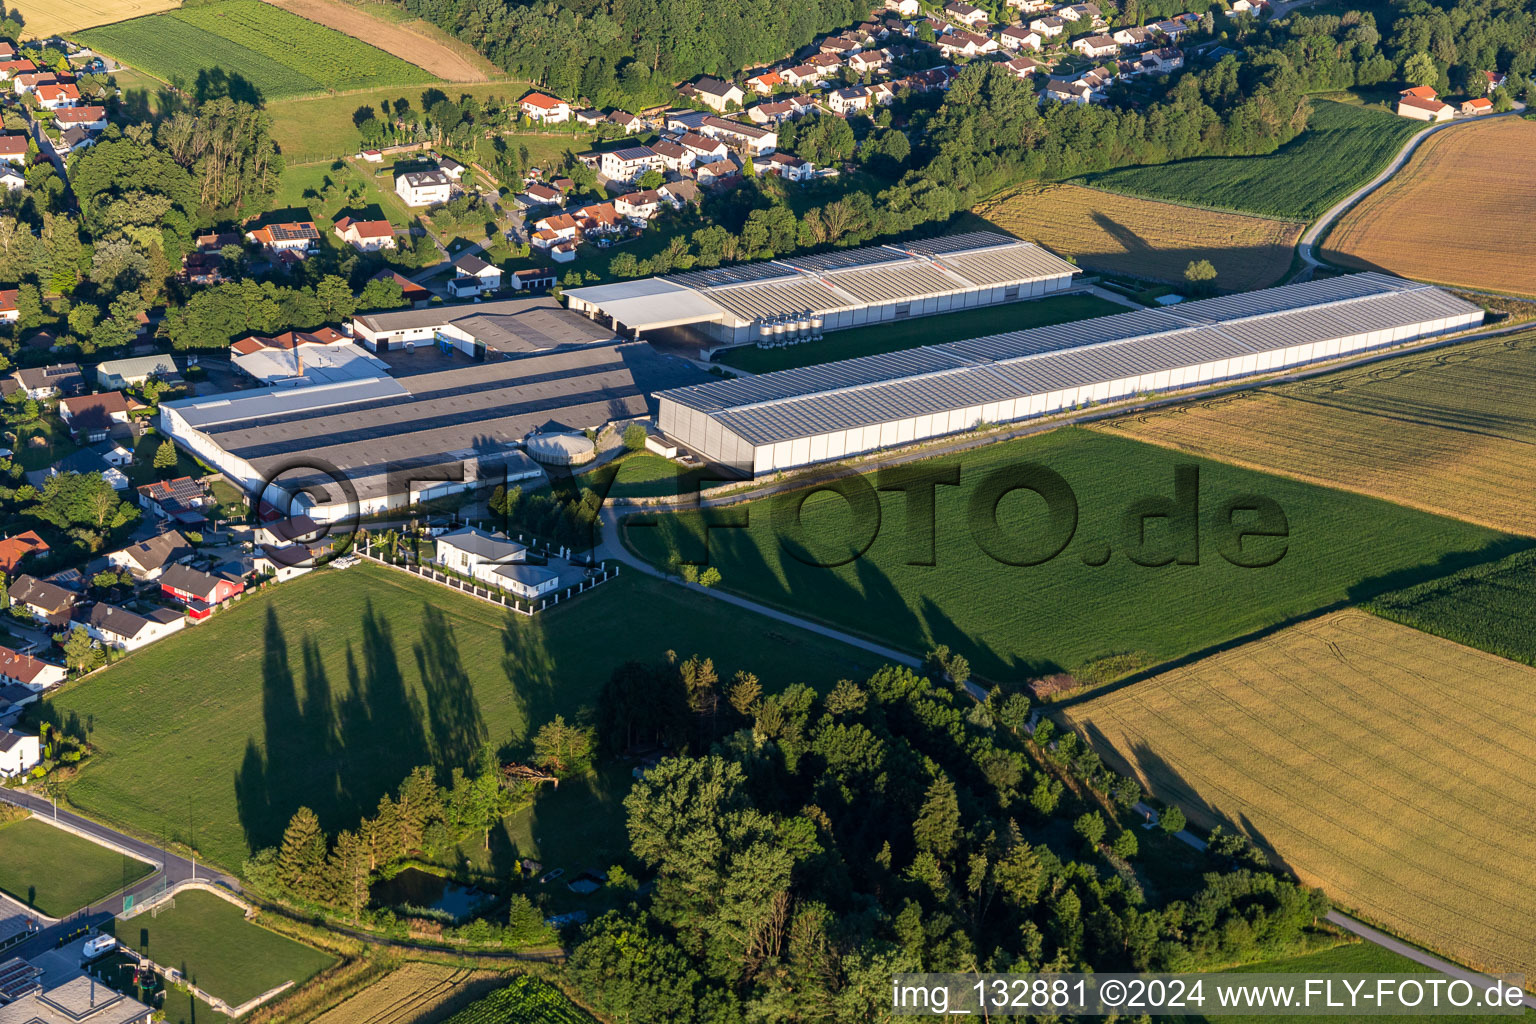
[[796, 298], [792, 418]]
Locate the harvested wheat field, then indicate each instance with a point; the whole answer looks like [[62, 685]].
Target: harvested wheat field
[[1394, 769], [415, 41], [1451, 431], [1459, 213], [48, 17], [1119, 233], [410, 993]]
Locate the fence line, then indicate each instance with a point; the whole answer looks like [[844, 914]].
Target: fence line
[[496, 595]]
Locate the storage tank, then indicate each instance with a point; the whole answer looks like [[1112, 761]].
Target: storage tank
[[561, 449]]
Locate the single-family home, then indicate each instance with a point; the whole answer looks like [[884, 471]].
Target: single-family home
[[526, 581], [22, 545], [1133, 35], [1162, 60], [802, 75], [128, 631], [1494, 79], [719, 174], [1017, 37], [28, 81], [474, 276], [715, 93], [827, 63], [790, 168], [590, 117], [765, 82], [112, 453], [628, 163], [679, 121], [84, 461], [292, 238], [13, 148], [11, 68], [366, 235], [19, 754], [1172, 29], [703, 149], [42, 600], [1245, 7], [673, 157], [750, 137], [1024, 67], [181, 500], [1031, 6], [965, 13], [840, 46], [1480, 105], [1096, 46], [771, 113], [9, 311], [42, 382], [200, 591], [905, 8], [639, 206], [869, 61], [626, 122], [966, 44], [599, 219], [551, 231], [11, 179], [475, 553], [1083, 14], [90, 418], [27, 670], [1078, 92], [848, 101], [423, 188], [539, 194], [147, 559], [1422, 103], [285, 530], [1049, 26], [53, 95], [123, 373], [537, 106], [680, 193], [91, 118]]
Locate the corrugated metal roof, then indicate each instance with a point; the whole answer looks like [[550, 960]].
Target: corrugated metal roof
[[877, 389]]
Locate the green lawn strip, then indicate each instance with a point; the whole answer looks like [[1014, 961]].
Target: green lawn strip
[[1491, 607], [58, 872], [927, 330], [327, 690], [209, 939], [647, 475], [1341, 148], [1016, 621]]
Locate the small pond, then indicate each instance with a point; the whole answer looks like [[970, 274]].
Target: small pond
[[416, 888]]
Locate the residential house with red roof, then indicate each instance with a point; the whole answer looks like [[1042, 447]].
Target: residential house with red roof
[[17, 669], [92, 418], [537, 106], [14, 549], [201, 592], [365, 235]]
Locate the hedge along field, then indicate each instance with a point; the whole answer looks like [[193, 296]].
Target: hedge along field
[[1016, 621], [1396, 770], [1451, 431], [1341, 148], [278, 53]]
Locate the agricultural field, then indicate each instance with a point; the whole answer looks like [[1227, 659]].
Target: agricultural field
[[57, 872], [413, 41], [1449, 431], [1089, 603], [413, 993], [1341, 148], [221, 952], [528, 1000], [1124, 234], [333, 686], [272, 52], [1491, 607], [1453, 214], [925, 330], [47, 18], [1392, 768]]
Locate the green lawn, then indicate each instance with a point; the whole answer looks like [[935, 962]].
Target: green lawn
[[926, 330], [221, 952], [1014, 621], [1342, 147], [57, 872], [59, 445], [648, 475], [327, 690]]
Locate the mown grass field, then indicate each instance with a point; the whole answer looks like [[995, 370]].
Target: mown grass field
[[1015, 621], [1395, 769], [57, 872], [1342, 146], [1125, 234], [1458, 213], [1491, 607], [1451, 431], [648, 475], [276, 53], [46, 18], [219, 950], [410, 993], [925, 330], [327, 690]]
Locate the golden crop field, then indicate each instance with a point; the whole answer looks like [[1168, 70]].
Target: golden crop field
[[416, 41], [1459, 213], [407, 994], [1119, 233], [48, 17], [1392, 768], [1451, 431]]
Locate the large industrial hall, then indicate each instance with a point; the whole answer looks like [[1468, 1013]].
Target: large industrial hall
[[797, 298], [792, 418]]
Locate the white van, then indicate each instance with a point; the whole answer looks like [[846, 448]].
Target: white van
[[100, 946]]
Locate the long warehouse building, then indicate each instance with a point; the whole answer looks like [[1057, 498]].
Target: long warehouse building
[[778, 421], [797, 298]]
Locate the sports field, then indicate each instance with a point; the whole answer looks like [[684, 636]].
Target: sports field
[[1125, 234], [327, 690], [1341, 148], [275, 53], [1451, 431], [1013, 621], [1395, 769], [925, 330], [408, 994], [50, 17], [221, 952], [57, 872], [412, 40], [1458, 213]]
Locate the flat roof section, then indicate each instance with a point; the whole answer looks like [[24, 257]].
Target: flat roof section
[[648, 304]]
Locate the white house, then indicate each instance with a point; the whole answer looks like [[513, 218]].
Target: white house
[[474, 276], [1096, 46], [1017, 37], [476, 553], [965, 13], [790, 168], [423, 188], [639, 206], [536, 106], [13, 149], [128, 631], [968, 44], [92, 118], [750, 137], [716, 94], [26, 670], [673, 156], [366, 235], [1049, 27], [12, 179], [146, 560], [905, 8], [702, 150], [53, 95], [526, 581], [848, 101], [629, 163], [1134, 35], [19, 753], [1422, 103]]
